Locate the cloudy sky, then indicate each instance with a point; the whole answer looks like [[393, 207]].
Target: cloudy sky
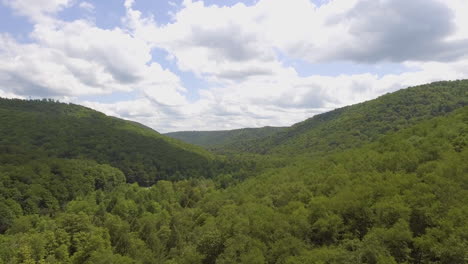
[[225, 64]]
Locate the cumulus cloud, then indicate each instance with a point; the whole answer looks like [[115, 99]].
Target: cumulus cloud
[[32, 70], [367, 31], [399, 30], [122, 55], [459, 8], [214, 42], [37, 10], [77, 58]]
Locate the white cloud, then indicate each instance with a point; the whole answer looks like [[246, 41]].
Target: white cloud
[[37, 10], [129, 3], [366, 31], [87, 6], [214, 42], [77, 58], [459, 9], [33, 70], [232, 43], [122, 55]]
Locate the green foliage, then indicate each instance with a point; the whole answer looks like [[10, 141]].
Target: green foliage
[[52, 129], [226, 141], [44, 186], [401, 198]]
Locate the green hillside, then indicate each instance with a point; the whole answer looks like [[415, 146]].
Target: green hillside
[[401, 199], [52, 129], [390, 186], [230, 139], [355, 125]]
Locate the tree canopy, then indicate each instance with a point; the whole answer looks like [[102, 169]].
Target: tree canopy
[[398, 195]]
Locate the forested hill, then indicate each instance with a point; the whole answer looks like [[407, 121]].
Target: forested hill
[[401, 199], [217, 140], [355, 125], [44, 128]]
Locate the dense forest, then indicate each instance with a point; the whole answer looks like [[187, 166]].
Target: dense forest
[[224, 141], [44, 128], [385, 181]]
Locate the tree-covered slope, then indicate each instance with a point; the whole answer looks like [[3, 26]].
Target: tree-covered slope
[[397, 195], [401, 199], [358, 124], [51, 129], [216, 140]]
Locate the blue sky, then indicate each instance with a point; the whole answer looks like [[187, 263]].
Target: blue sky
[[206, 65]]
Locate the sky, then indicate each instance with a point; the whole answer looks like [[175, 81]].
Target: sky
[[226, 64]]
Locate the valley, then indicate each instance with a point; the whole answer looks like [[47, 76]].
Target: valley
[[383, 181]]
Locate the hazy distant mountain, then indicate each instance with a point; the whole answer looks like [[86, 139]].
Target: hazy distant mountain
[[218, 140]]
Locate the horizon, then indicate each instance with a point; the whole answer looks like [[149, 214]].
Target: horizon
[[211, 65], [226, 130]]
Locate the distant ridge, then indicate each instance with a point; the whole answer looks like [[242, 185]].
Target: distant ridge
[[343, 128], [217, 139]]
